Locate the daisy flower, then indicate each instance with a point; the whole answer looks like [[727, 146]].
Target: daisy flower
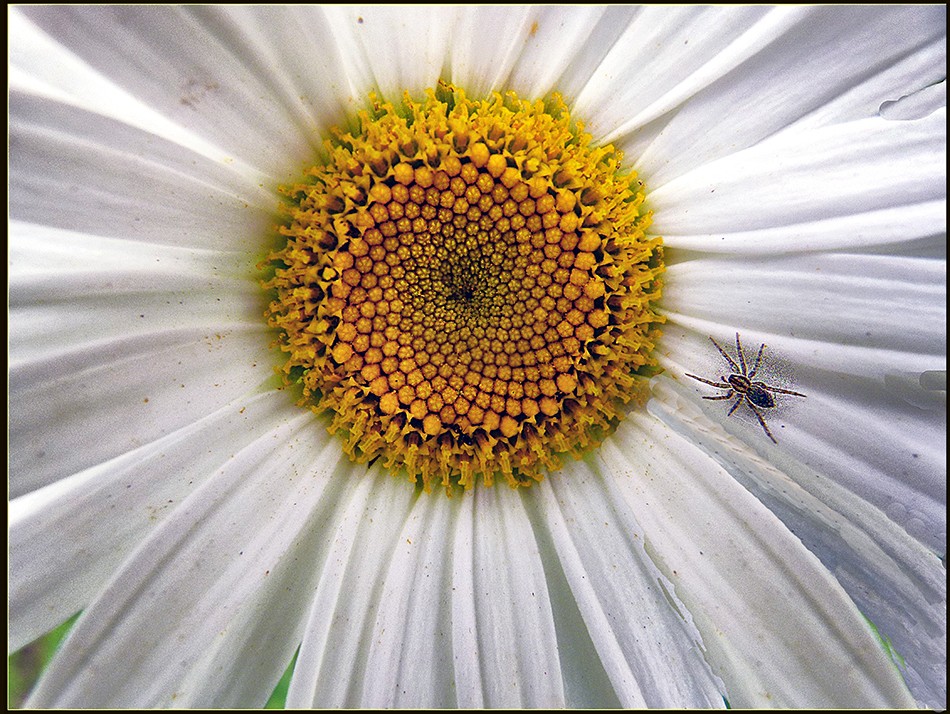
[[172, 477]]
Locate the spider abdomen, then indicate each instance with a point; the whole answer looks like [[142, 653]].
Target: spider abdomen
[[759, 396]]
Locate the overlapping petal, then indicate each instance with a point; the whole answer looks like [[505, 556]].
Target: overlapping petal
[[731, 562], [868, 444], [755, 199], [781, 70], [644, 636], [895, 579], [199, 69], [180, 590], [331, 666]]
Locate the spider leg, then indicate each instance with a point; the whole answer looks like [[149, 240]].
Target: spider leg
[[780, 391], [723, 385], [736, 405], [728, 359], [741, 356], [728, 395], [758, 359], [762, 422]]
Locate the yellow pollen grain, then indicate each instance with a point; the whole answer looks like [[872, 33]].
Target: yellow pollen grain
[[468, 287]]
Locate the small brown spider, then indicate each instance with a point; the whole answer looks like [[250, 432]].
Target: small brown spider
[[758, 395]]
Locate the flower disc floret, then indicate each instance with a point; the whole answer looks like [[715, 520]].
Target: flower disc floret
[[469, 288]]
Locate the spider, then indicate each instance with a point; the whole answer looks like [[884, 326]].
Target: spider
[[758, 395]]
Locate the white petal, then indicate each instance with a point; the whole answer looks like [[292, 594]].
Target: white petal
[[81, 408], [67, 539], [860, 167], [534, 50], [897, 582], [41, 66], [245, 662], [411, 644], [137, 643], [871, 426], [80, 171], [562, 46], [70, 291], [652, 654], [777, 627], [919, 223], [360, 537], [869, 422], [666, 55], [495, 604], [887, 451], [200, 68], [296, 57], [917, 104], [242, 666], [486, 44], [498, 572], [122, 339], [391, 49], [808, 66], [465, 626], [842, 312]]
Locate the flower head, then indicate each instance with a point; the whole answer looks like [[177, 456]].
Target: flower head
[[166, 485], [468, 288]]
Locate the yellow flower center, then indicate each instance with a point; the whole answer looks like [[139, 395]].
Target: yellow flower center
[[468, 286]]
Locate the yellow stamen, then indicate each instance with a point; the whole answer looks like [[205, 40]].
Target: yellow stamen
[[469, 287]]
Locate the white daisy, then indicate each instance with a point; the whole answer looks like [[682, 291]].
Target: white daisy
[[163, 484]]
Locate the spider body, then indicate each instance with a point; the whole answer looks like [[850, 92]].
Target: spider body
[[741, 384], [756, 392]]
